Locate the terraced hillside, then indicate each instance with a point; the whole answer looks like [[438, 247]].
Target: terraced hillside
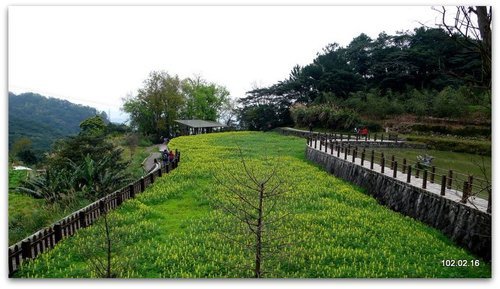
[[333, 231]]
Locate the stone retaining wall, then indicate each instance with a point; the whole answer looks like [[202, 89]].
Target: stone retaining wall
[[466, 226]]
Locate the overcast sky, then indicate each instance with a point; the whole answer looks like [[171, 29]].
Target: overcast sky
[[98, 55]]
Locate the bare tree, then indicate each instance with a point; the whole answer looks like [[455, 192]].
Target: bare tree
[[100, 254], [474, 24], [132, 140], [253, 197]]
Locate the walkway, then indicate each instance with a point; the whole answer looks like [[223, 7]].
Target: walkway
[[149, 163], [435, 188]]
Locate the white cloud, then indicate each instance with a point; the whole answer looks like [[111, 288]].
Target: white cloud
[[96, 55]]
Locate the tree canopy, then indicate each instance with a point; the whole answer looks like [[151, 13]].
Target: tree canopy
[[425, 59], [165, 98]]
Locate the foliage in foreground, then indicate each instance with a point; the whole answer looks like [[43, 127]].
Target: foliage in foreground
[[171, 230]]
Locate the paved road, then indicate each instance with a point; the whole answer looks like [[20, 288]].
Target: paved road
[[148, 163]]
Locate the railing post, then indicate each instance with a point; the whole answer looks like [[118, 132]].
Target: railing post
[[81, 216], [443, 185], [470, 180], [315, 142], [382, 163], [408, 176], [396, 138], [465, 192], [382, 138], [450, 179], [152, 176], [372, 159], [345, 152], [424, 181], [433, 174], [363, 157], [143, 185], [102, 207], [57, 232], [395, 169], [338, 151], [131, 189], [403, 170], [326, 144], [375, 138], [417, 170], [354, 153], [392, 161], [488, 210], [26, 249]]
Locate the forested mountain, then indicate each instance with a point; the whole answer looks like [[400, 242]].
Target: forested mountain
[[44, 119]]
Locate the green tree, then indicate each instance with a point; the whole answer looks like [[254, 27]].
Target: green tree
[[203, 100], [156, 105]]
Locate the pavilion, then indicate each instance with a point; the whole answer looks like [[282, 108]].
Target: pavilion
[[197, 126]]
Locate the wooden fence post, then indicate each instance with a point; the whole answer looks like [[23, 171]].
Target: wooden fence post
[[465, 192], [331, 148], [26, 249], [354, 153], [152, 177], [488, 210], [81, 216], [450, 178], [345, 152], [424, 181], [403, 170], [395, 169], [382, 163], [372, 159], [131, 189], [57, 233], [338, 151], [363, 157], [443, 185], [417, 170], [408, 176], [143, 186]]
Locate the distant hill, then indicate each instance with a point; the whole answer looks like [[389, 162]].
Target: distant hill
[[44, 119]]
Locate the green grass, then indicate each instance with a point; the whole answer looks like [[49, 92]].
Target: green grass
[[172, 229]]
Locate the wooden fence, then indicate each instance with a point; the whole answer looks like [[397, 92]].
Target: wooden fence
[[468, 185], [47, 238], [347, 137]]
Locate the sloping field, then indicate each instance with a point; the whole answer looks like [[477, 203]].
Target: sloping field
[[334, 230]]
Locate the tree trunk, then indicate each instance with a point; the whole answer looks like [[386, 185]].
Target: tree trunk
[[258, 243]]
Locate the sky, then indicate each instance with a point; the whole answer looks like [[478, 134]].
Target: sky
[[97, 55]]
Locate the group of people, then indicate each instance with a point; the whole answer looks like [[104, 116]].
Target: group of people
[[167, 156], [362, 131]]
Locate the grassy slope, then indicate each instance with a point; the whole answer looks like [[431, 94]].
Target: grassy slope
[[337, 231]]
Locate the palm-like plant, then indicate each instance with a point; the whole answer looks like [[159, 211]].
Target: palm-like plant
[[96, 179], [51, 186]]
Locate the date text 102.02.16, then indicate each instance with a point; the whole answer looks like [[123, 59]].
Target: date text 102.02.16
[[460, 263]]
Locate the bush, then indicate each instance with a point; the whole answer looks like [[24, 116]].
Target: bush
[[331, 117], [450, 103]]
